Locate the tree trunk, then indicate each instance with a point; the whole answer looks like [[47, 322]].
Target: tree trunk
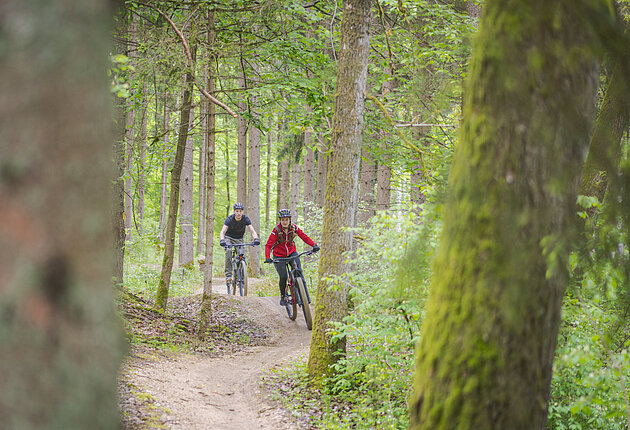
[[417, 179], [331, 304], [322, 165], [164, 176], [203, 157], [129, 138], [142, 150], [488, 339], [253, 184], [173, 207], [241, 169], [61, 336], [383, 186], [605, 147], [295, 189], [268, 183], [186, 231], [309, 173], [284, 181], [210, 127], [368, 182]]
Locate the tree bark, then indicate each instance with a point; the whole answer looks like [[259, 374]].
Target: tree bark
[[322, 166], [253, 184], [605, 148], [186, 230], [203, 159], [205, 312], [129, 138], [241, 168], [309, 173], [164, 177], [489, 335], [340, 207], [295, 189], [142, 151], [368, 183], [61, 340], [173, 207]]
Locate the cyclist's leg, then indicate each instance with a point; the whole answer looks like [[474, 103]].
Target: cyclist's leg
[[281, 268]]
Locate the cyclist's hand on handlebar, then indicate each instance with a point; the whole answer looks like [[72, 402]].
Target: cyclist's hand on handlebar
[[222, 243], [316, 248], [268, 260], [256, 241]]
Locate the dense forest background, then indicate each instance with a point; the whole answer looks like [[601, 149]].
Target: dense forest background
[[265, 142]]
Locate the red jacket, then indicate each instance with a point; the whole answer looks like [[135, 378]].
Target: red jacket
[[282, 241]]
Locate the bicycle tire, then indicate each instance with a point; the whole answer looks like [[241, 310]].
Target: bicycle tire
[[234, 280], [306, 308], [242, 280], [291, 303]]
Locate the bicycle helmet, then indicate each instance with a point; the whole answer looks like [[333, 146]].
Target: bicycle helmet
[[284, 213], [239, 206]]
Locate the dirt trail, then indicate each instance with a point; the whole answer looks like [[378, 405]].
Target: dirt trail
[[224, 393]]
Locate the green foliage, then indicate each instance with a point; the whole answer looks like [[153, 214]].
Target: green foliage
[[389, 285]]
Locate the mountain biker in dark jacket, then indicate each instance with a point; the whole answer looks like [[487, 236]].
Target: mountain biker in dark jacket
[[281, 242], [233, 232]]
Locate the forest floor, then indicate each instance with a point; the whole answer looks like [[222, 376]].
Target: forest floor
[[214, 384]]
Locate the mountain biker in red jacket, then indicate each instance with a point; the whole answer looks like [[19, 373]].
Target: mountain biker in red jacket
[[281, 243]]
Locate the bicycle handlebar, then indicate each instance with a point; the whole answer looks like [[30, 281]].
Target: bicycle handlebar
[[287, 259], [234, 245]]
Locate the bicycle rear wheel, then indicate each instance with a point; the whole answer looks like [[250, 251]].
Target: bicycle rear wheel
[[306, 308], [242, 278], [291, 302]]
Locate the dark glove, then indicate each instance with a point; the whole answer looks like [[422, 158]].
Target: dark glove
[[268, 260], [315, 248], [256, 241], [222, 243]]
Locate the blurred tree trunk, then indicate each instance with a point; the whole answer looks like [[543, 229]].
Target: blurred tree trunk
[[61, 342], [342, 185], [173, 206], [489, 335], [267, 186], [417, 179]]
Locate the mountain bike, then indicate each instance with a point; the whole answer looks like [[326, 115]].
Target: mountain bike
[[296, 293], [239, 267]]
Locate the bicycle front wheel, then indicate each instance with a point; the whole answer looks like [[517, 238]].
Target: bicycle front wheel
[[234, 280], [306, 308], [242, 278], [291, 303]]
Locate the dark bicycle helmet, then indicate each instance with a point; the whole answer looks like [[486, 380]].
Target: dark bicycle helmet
[[284, 213], [239, 206]]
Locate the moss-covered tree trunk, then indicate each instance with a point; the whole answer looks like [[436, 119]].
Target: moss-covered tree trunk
[[173, 204], [605, 148], [60, 338], [488, 340], [342, 184]]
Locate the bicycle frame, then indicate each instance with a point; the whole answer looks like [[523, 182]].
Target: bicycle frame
[[297, 292], [239, 266]]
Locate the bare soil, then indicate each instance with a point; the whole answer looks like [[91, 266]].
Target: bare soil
[[222, 390]]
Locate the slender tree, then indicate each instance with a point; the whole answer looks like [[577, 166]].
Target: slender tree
[[489, 335], [342, 184]]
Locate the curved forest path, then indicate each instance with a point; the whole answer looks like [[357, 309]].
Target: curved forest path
[[224, 393]]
